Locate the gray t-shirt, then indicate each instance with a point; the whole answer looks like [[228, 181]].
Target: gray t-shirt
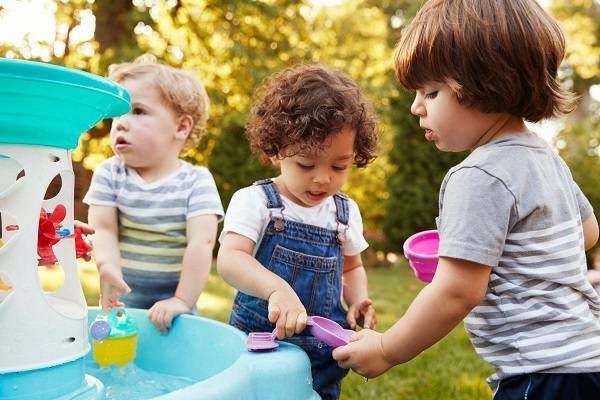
[[512, 204]]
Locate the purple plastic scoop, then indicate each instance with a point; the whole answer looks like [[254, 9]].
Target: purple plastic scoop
[[328, 331], [261, 341]]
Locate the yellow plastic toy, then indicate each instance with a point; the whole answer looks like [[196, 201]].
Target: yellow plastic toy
[[115, 338]]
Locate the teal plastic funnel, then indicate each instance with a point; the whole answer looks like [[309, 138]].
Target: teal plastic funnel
[[44, 104]]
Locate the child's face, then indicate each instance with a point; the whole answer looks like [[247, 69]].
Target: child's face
[[150, 132], [309, 179], [449, 124]]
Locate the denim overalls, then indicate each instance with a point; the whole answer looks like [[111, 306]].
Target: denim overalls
[[310, 259]]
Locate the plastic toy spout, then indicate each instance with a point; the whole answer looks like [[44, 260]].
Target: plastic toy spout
[[115, 338]]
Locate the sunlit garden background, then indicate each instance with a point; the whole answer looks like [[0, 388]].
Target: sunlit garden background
[[232, 46]]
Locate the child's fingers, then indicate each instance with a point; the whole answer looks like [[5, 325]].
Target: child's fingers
[[364, 305], [104, 303], [157, 315], [280, 327], [169, 321], [351, 318], [371, 319], [301, 322], [122, 287], [341, 355], [368, 318], [290, 323], [274, 312]]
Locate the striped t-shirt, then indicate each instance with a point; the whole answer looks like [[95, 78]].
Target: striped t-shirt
[[512, 204], [152, 216]]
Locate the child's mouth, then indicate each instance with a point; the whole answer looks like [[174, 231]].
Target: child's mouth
[[316, 196], [121, 143], [428, 135]]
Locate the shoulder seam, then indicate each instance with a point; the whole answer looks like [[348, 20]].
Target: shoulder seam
[[495, 177]]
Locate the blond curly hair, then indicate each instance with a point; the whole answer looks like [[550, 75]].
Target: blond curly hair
[[181, 90]]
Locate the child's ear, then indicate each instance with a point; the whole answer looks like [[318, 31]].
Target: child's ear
[[185, 123]]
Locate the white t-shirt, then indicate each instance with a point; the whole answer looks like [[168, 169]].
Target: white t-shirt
[[248, 215]]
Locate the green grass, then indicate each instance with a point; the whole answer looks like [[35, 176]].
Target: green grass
[[449, 370]]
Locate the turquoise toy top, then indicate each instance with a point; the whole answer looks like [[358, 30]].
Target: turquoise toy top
[[116, 324], [49, 105]]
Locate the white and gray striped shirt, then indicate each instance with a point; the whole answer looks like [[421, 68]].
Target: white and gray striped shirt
[[512, 204], [153, 216]]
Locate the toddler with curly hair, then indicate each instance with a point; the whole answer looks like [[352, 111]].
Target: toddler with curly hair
[[290, 244]]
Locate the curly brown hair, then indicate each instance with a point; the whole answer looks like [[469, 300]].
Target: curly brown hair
[[298, 108]]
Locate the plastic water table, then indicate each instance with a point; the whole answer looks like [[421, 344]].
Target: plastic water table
[[44, 343]]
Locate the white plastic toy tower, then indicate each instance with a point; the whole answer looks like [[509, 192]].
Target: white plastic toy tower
[[43, 110]]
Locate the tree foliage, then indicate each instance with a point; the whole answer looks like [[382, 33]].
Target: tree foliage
[[579, 140], [234, 45], [414, 182]]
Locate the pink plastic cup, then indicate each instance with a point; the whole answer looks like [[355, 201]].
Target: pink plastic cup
[[421, 250]]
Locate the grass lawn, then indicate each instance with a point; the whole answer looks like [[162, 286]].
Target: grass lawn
[[449, 370]]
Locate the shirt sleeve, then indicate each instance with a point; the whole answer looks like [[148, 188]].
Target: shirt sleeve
[[204, 198], [246, 214], [585, 207], [475, 213], [355, 240], [103, 188]]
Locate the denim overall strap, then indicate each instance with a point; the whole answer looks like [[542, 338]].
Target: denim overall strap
[[341, 205], [342, 215], [273, 197]]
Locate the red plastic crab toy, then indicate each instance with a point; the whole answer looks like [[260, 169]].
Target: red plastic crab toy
[[47, 236], [50, 233]]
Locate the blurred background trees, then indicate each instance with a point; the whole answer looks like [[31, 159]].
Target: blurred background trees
[[233, 45]]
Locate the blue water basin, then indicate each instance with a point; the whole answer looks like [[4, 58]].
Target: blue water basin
[[212, 358]]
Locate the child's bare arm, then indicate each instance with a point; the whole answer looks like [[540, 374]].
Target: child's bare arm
[[590, 232], [106, 254], [241, 270], [356, 294], [201, 232], [457, 288]]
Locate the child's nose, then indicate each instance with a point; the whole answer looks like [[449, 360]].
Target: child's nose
[[120, 123], [417, 107], [322, 177]]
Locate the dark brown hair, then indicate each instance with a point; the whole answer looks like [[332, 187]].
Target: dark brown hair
[[298, 108], [496, 55]]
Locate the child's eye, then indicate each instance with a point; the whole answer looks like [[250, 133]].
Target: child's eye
[[137, 111], [340, 167], [305, 166], [431, 95]]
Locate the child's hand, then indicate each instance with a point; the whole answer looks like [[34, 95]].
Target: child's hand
[[364, 354], [163, 312], [85, 230], [363, 314], [111, 286], [286, 312]]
